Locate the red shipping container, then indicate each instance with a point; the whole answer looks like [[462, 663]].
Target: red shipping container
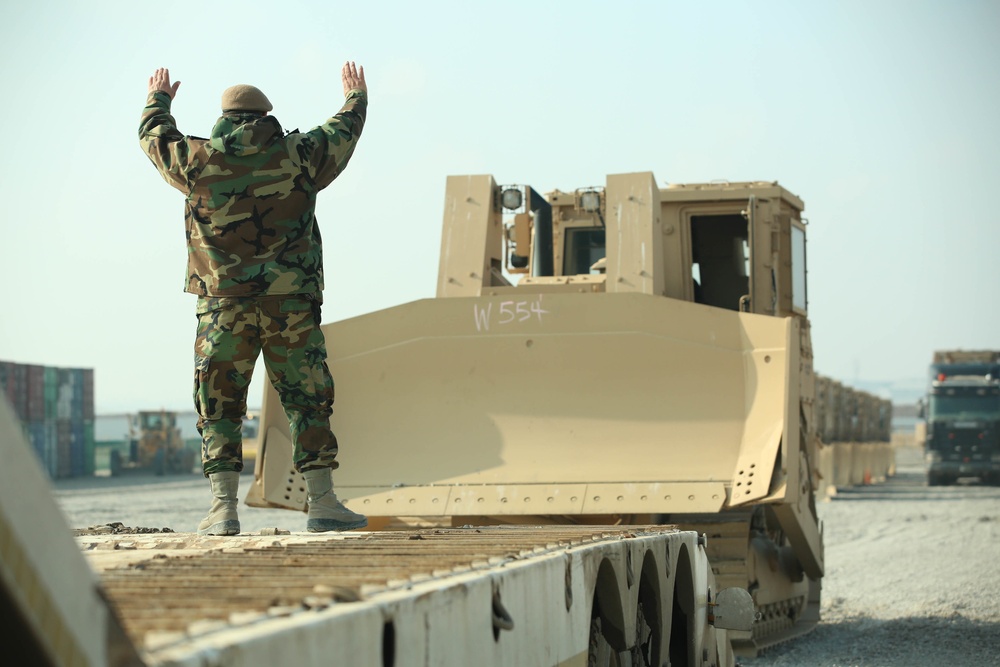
[[7, 381], [14, 385], [35, 408]]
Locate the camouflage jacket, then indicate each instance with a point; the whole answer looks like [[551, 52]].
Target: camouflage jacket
[[251, 195]]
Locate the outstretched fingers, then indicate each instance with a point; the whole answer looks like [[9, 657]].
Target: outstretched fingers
[[352, 77], [161, 81]]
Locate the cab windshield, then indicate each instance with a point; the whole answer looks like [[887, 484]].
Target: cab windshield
[[584, 246], [978, 404]]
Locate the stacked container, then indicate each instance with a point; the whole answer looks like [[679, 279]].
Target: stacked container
[[56, 409]]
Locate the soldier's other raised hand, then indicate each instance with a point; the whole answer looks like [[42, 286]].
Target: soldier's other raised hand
[[353, 77], [161, 81]]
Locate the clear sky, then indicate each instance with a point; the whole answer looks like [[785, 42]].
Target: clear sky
[[881, 114]]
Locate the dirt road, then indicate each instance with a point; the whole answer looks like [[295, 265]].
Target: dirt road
[[912, 579]]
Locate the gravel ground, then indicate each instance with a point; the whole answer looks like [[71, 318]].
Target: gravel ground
[[912, 572], [912, 577], [177, 502]]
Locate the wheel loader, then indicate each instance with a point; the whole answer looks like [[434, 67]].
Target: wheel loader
[[155, 446], [623, 354]]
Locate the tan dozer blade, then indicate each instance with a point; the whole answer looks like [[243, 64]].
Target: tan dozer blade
[[548, 404]]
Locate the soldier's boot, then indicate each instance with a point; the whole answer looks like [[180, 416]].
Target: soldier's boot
[[222, 518], [325, 511]]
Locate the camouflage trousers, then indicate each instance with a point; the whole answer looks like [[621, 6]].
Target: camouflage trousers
[[232, 333]]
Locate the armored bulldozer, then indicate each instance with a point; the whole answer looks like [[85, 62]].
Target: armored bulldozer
[[623, 354]]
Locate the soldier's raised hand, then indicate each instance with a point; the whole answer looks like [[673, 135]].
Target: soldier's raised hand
[[353, 77], [161, 81]]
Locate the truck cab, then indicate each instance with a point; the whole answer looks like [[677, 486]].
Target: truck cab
[[962, 413]]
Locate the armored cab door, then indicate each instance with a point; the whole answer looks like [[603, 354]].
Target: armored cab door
[[720, 255]]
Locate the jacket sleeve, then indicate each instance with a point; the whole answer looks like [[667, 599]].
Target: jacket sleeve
[[168, 149], [337, 138]]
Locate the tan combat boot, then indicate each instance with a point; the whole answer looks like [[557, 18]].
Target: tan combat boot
[[325, 511], [222, 518]]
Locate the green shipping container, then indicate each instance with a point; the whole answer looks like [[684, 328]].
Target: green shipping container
[[89, 448]]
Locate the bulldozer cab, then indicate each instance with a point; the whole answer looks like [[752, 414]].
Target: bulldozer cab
[[739, 246], [157, 421]]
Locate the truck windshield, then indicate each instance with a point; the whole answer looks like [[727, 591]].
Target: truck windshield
[[966, 405]]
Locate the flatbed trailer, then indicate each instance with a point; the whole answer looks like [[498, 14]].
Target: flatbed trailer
[[477, 595], [498, 595]]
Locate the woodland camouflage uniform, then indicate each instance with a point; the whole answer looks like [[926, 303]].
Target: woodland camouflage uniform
[[255, 261]]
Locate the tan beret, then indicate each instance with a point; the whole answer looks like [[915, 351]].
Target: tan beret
[[242, 97]]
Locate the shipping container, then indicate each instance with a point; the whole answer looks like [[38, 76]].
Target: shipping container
[[65, 398], [76, 402], [6, 381], [51, 448], [35, 409], [15, 387], [37, 436], [77, 448], [51, 391], [88, 394], [64, 449], [89, 449], [56, 410]]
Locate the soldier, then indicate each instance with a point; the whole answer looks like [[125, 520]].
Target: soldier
[[255, 263]]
